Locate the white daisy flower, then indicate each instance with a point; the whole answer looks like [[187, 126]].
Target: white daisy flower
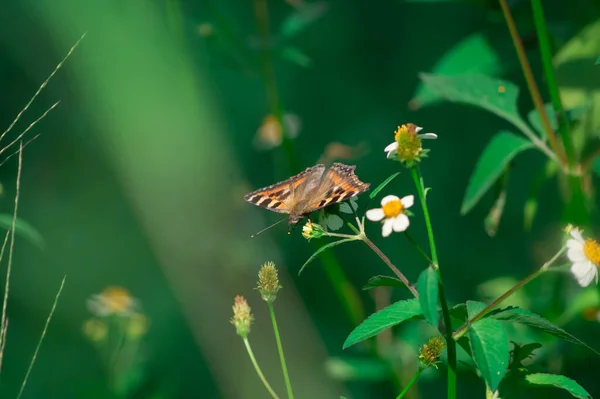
[[585, 258], [392, 210], [407, 134]]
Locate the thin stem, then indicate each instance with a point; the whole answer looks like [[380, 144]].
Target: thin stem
[[330, 234], [544, 42], [4, 321], [451, 344], [39, 344], [463, 329], [261, 11], [286, 377], [387, 261], [410, 384], [531, 84], [260, 374], [418, 248]]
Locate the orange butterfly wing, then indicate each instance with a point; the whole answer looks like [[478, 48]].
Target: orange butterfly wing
[[339, 184], [280, 197]]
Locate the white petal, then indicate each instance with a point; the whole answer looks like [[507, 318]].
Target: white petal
[[392, 147], [584, 272], [575, 252], [389, 198], [401, 223], [408, 201], [386, 230], [418, 128], [576, 234], [375, 215], [428, 136]]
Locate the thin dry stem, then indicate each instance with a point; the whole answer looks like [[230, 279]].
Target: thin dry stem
[[10, 252], [39, 90], [31, 125]]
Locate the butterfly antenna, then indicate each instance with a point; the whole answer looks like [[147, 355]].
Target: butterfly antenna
[[267, 228]]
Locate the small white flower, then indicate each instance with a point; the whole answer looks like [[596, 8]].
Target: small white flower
[[113, 301], [585, 258], [392, 210], [393, 147]]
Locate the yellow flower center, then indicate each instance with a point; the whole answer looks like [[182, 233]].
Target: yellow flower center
[[591, 249], [117, 299], [392, 208], [409, 144]]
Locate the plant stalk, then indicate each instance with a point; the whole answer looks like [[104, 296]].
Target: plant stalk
[[410, 384], [286, 377], [532, 85], [258, 371], [451, 344]]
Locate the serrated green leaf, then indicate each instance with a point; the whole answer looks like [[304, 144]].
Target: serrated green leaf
[[295, 56], [492, 220], [495, 158], [323, 248], [384, 319], [427, 286], [349, 206], [383, 281], [489, 346], [382, 185], [558, 381], [358, 369], [302, 18], [473, 54], [22, 228], [523, 316]]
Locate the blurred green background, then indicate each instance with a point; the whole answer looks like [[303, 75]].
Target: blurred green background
[[138, 176]]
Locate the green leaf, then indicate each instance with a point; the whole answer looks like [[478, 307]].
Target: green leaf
[[323, 248], [384, 319], [495, 95], [473, 54], [523, 316], [531, 204], [295, 56], [22, 228], [428, 295], [358, 369], [302, 18], [495, 158], [383, 281], [520, 353], [349, 206], [598, 61], [489, 346], [535, 120], [492, 220], [382, 185], [558, 381]]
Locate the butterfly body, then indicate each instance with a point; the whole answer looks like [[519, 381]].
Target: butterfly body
[[308, 191]]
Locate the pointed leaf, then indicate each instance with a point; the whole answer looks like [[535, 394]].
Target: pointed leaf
[[383, 281], [559, 381], [428, 295], [496, 156], [495, 95], [22, 228], [489, 346], [384, 319], [476, 48], [382, 185], [323, 248], [522, 316]]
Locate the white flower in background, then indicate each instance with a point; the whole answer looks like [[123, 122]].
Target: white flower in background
[[113, 301], [407, 144], [585, 257], [392, 210]]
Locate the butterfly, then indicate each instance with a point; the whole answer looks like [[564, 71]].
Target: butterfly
[[309, 191]]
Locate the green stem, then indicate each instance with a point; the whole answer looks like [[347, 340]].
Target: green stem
[[531, 84], [544, 42], [418, 248], [286, 377], [420, 186], [463, 329], [387, 261], [410, 384], [260, 374]]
